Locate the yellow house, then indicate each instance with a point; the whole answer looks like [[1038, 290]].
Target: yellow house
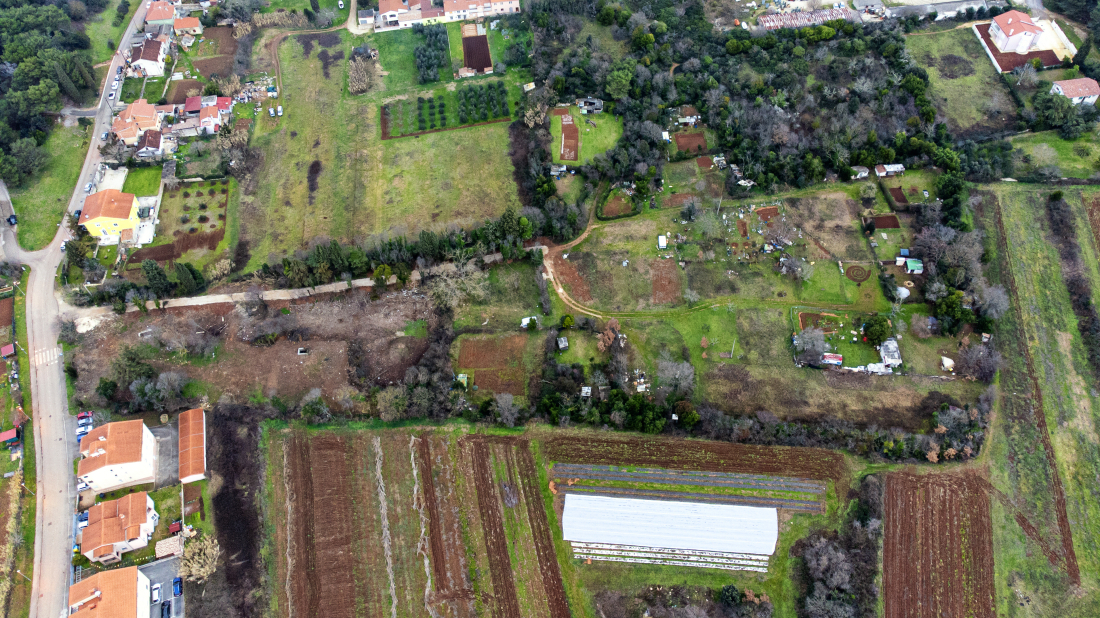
[[109, 215]]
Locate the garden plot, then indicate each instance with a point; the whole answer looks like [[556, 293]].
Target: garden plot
[[832, 225], [498, 364], [589, 136], [691, 486]]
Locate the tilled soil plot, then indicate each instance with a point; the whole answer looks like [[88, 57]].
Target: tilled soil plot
[[938, 552], [810, 463], [567, 273], [505, 604], [450, 573], [691, 142], [666, 281], [491, 352]]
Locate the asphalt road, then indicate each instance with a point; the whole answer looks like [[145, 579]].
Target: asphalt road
[[54, 428]]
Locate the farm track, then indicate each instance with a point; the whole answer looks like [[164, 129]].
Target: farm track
[[817, 464], [938, 547], [505, 604], [684, 496], [686, 477], [1069, 556], [540, 530]]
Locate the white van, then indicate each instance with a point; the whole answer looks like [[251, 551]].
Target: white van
[[280, 110], [156, 593]]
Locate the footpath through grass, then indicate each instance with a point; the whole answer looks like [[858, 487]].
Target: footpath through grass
[[42, 202]]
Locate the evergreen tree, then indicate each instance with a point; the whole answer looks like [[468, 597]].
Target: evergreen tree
[[66, 84], [186, 280], [155, 277]]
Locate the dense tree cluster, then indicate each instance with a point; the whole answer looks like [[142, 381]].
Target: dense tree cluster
[[483, 102], [434, 54], [45, 59]]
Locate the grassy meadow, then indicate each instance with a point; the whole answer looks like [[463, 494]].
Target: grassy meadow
[[101, 30], [1079, 158], [594, 139], [41, 203], [957, 68]]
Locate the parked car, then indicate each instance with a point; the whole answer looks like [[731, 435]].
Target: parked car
[[166, 609], [83, 516], [110, 96], [271, 112], [177, 586], [80, 525], [104, 136], [340, 3], [156, 593], [114, 85], [88, 188], [63, 245], [85, 422], [12, 220], [76, 213], [86, 413], [280, 110], [82, 486]]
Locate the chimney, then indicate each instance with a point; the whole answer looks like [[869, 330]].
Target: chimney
[[1009, 20]]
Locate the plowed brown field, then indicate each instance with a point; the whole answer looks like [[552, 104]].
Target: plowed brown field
[[505, 604], [808, 463], [491, 352], [938, 552]]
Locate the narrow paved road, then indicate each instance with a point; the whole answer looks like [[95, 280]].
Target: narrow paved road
[[54, 429]]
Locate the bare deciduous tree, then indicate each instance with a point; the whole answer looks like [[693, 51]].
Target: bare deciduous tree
[[200, 559], [507, 409], [452, 287], [361, 74], [810, 344], [979, 362]]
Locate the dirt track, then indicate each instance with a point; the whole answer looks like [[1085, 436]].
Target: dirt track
[[938, 548]]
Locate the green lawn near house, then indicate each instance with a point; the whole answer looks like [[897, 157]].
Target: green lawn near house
[[395, 54], [1079, 158], [143, 181], [42, 202], [595, 140], [101, 30]]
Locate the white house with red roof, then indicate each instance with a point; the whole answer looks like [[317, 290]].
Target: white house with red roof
[[1081, 90], [1015, 31], [210, 120], [456, 10], [149, 57]]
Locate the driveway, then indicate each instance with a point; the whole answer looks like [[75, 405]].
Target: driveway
[[163, 572], [168, 454]]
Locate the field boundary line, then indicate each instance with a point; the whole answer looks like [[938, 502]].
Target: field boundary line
[[1069, 556], [376, 442]]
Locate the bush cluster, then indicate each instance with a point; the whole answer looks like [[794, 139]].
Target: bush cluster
[[1064, 227], [482, 102], [434, 54]]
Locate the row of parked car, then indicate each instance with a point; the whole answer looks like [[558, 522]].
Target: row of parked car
[[84, 424]]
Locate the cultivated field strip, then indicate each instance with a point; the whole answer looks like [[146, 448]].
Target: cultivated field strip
[[810, 506], [938, 547], [683, 563], [506, 603], [540, 529], [688, 477]]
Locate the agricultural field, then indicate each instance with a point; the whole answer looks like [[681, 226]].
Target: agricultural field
[[373, 521], [958, 67], [688, 180], [938, 548], [487, 101], [1046, 370], [192, 224], [332, 175], [500, 364], [513, 295], [597, 134], [41, 203]]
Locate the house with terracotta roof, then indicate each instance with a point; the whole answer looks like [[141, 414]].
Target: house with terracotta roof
[[135, 119], [192, 445], [161, 14], [1080, 90], [109, 213], [210, 120], [149, 57], [389, 10], [187, 25], [118, 454], [1015, 31], [150, 144], [456, 10], [118, 526], [117, 593]]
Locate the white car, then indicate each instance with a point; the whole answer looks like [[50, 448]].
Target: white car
[[82, 486], [110, 96], [280, 110], [114, 85], [104, 136], [88, 188], [156, 593], [340, 3], [271, 112]]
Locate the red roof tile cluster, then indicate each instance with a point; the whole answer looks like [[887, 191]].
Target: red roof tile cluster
[[192, 443]]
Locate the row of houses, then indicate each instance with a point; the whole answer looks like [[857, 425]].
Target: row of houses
[[405, 13], [197, 116]]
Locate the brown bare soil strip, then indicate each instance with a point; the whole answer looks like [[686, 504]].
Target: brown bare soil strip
[[766, 214], [691, 142], [938, 549], [491, 352], [815, 319], [540, 528], [559, 111], [810, 463], [666, 281], [616, 206], [899, 197], [1038, 416], [570, 139], [501, 380], [435, 532], [506, 603], [455, 588], [887, 222], [1093, 209]]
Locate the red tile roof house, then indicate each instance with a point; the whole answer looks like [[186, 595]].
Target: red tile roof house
[[118, 455], [1080, 90], [1014, 31], [187, 25], [118, 593], [118, 526], [210, 120], [149, 57], [150, 144], [192, 445], [161, 14], [192, 106]]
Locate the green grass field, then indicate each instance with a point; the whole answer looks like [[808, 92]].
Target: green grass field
[[143, 181], [364, 185], [42, 202], [594, 140], [101, 30], [395, 53], [1079, 158], [957, 68], [602, 39], [1071, 407]]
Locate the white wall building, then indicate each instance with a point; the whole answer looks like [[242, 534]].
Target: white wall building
[[118, 455], [1014, 31]]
